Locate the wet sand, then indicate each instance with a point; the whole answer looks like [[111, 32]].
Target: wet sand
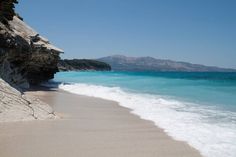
[[88, 127]]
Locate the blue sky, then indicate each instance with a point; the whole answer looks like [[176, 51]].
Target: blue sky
[[197, 31]]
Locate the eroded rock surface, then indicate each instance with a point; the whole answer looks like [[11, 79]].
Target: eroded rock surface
[[15, 106], [25, 56]]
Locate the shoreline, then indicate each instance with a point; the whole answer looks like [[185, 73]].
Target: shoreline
[[88, 127]]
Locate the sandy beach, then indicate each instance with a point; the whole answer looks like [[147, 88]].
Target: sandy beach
[[88, 127]]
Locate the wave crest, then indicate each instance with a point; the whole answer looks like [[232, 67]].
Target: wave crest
[[193, 123]]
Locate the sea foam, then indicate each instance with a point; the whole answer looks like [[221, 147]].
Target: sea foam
[[195, 124]]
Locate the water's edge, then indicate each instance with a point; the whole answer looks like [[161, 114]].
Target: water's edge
[[181, 121]]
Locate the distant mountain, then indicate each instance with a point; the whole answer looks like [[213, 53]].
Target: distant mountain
[[82, 64], [123, 63]]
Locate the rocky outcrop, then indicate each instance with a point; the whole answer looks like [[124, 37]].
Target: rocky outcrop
[[15, 106], [82, 64], [25, 56]]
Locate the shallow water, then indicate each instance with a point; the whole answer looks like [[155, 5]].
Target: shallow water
[[199, 108]]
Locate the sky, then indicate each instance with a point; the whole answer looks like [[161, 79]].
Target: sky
[[196, 31]]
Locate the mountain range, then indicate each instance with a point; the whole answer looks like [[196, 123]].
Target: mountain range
[[124, 63]]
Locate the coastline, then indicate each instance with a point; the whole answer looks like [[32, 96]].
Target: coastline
[[88, 127]]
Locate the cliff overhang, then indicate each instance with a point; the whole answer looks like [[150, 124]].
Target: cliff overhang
[[25, 57]]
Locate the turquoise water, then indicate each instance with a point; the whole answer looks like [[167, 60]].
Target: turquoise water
[[199, 108], [215, 89]]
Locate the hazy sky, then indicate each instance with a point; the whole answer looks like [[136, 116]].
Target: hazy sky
[[197, 31]]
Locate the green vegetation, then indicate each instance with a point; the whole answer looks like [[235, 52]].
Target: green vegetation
[[7, 11], [83, 64]]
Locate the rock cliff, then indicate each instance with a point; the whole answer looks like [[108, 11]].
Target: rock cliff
[[25, 58]]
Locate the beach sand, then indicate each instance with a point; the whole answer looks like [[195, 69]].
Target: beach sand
[[88, 127]]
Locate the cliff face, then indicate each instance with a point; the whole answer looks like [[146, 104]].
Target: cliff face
[[82, 64], [25, 57]]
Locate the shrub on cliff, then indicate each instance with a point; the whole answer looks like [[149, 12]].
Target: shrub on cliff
[[82, 64], [7, 11]]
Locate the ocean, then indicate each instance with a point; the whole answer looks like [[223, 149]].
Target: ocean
[[198, 108]]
